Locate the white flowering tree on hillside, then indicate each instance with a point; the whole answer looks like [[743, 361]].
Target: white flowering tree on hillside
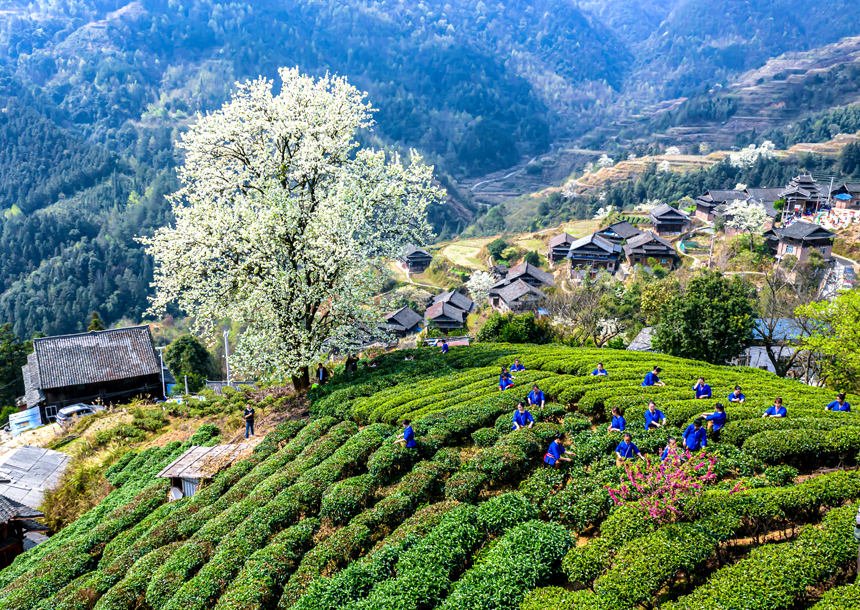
[[746, 217], [479, 287], [284, 225], [673, 151]]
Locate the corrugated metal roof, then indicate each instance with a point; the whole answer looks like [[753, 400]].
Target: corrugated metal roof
[[95, 357], [205, 462]]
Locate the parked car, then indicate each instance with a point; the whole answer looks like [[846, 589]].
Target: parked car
[[67, 414]]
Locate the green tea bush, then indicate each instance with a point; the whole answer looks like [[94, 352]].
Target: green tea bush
[[846, 597], [547, 598], [526, 556], [755, 583], [465, 486], [485, 437], [503, 512], [805, 448], [343, 500]]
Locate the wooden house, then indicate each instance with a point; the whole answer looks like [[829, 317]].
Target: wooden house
[[668, 220], [109, 366], [591, 254], [15, 521], [707, 204], [456, 299], [800, 239], [517, 297], [526, 273], [558, 247], [415, 260], [845, 196], [402, 322], [199, 464], [618, 232], [650, 247], [803, 195], [445, 316]]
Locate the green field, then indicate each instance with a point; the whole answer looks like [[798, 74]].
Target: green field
[[331, 514], [465, 253]]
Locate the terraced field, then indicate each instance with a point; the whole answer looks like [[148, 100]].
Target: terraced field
[[330, 514]]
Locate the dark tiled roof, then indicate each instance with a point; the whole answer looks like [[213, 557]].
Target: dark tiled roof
[[412, 251], [10, 510], [562, 239], [535, 272], [404, 317], [802, 230], [723, 196], [444, 309], [95, 357], [647, 237], [623, 229], [455, 299], [518, 289], [597, 240], [668, 211]]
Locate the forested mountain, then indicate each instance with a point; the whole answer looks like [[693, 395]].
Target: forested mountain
[[95, 93]]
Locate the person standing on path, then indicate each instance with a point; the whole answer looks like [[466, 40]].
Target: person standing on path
[[248, 416]]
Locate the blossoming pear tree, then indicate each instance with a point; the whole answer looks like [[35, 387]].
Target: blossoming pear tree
[[285, 225]]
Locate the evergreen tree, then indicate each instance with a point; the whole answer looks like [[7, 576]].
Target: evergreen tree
[[188, 356], [95, 323]]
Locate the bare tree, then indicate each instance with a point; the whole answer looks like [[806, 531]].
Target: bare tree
[[582, 315], [780, 328]]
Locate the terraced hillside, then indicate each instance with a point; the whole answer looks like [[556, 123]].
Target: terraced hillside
[[330, 514]]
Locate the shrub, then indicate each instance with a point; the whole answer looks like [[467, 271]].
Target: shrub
[[547, 598], [753, 583], [805, 448], [465, 486], [524, 557], [343, 500], [846, 597], [503, 512], [485, 436]]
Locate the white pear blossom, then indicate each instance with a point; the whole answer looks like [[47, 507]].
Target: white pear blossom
[[283, 226], [664, 167], [569, 188], [479, 286], [673, 150], [603, 212], [605, 161], [747, 217], [648, 205], [749, 155], [631, 157], [740, 187]]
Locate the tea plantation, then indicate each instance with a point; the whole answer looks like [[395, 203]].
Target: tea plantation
[[330, 514]]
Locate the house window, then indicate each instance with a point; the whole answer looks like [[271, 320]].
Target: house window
[[823, 249], [51, 412], [742, 360], [789, 249], [662, 261]]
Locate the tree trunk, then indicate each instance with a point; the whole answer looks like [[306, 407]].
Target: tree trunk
[[302, 380]]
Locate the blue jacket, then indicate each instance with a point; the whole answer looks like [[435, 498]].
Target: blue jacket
[[665, 455], [650, 379], [696, 439], [627, 450], [657, 417], [835, 406], [703, 390], [719, 420], [515, 368], [536, 399], [522, 419], [554, 452], [774, 412], [409, 435], [598, 372], [505, 382], [618, 422], [738, 398]]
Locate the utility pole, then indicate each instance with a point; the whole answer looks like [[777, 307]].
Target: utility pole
[[227, 353], [711, 253], [163, 385], [186, 385]]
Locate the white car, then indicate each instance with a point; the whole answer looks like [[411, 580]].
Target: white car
[[67, 414]]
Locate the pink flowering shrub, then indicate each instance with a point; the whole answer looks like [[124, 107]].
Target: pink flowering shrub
[[661, 489]]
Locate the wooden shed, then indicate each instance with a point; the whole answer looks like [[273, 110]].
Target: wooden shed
[[191, 469]]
